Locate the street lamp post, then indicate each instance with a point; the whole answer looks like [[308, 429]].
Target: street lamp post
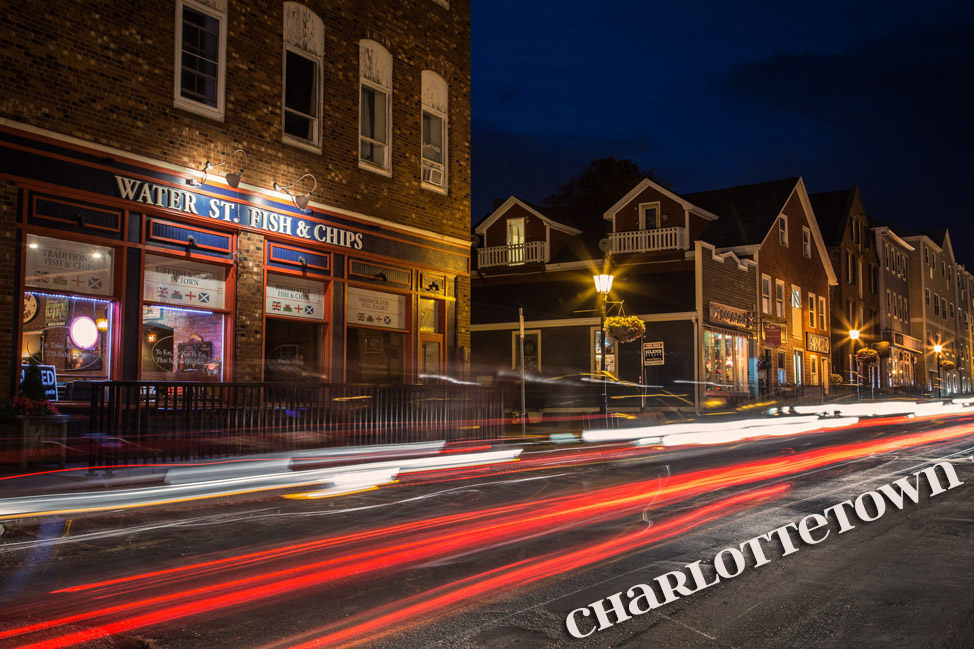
[[854, 336], [938, 350], [603, 284]]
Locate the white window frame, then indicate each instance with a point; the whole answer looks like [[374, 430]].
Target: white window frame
[[812, 311], [766, 299], [821, 312], [186, 103], [783, 230], [377, 59], [304, 36], [806, 242], [515, 255], [435, 94], [645, 207], [779, 298]]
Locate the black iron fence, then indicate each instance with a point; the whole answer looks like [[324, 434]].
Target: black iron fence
[[150, 422]]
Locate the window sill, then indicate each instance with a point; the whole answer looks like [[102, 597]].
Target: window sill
[[434, 188], [368, 166], [198, 109], [290, 140]]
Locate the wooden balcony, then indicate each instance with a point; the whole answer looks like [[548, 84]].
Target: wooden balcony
[[648, 240], [532, 252]]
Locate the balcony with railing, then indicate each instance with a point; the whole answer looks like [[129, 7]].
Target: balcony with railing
[[653, 240], [531, 252]]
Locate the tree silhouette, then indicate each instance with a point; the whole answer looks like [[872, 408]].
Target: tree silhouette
[[598, 186]]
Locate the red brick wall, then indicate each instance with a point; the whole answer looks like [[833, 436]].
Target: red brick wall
[[103, 71]]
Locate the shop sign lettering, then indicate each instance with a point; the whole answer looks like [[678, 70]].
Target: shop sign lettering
[[236, 213], [58, 265], [653, 353], [294, 297], [375, 309], [723, 314], [772, 336], [185, 283], [816, 343]]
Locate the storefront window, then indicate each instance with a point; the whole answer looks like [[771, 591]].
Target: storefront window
[[68, 311], [295, 310], [725, 361], [610, 353], [292, 351], [181, 344], [183, 333], [376, 338], [70, 334]]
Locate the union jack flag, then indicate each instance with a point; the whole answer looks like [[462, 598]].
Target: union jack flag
[[163, 291], [276, 306], [361, 316]]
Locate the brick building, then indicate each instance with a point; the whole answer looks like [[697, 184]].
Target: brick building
[[235, 190], [899, 355]]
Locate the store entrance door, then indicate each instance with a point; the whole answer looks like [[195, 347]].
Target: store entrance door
[[430, 357]]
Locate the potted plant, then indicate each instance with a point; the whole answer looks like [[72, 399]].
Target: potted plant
[[29, 421], [624, 329], [867, 356], [835, 379]]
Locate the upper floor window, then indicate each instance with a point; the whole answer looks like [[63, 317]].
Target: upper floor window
[[201, 45], [766, 293], [783, 230], [812, 303], [821, 312], [806, 242], [375, 107], [779, 298], [435, 97], [648, 216], [304, 49]]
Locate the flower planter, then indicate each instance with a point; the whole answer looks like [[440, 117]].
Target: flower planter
[[29, 439]]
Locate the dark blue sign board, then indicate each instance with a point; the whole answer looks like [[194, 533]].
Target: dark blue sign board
[[48, 378]]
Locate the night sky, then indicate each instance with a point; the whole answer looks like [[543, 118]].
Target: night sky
[[870, 93]]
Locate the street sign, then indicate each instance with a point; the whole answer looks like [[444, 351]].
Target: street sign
[[653, 353]]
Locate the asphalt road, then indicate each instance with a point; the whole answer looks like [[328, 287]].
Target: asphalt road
[[502, 557]]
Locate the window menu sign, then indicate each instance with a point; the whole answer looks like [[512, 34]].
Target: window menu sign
[[294, 297], [184, 283], [58, 265], [375, 309]]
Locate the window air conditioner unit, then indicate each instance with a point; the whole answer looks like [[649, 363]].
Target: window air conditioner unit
[[432, 176]]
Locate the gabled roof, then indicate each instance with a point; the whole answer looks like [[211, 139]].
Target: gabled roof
[[746, 212], [512, 201], [646, 182], [832, 212]]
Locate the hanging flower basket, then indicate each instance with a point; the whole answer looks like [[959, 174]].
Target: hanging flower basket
[[835, 379], [624, 329], [867, 356], [947, 365]]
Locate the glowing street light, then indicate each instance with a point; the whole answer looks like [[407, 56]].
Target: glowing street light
[[938, 349], [603, 284]]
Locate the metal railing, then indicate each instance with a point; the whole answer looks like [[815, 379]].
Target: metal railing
[[649, 240], [135, 422], [521, 253]]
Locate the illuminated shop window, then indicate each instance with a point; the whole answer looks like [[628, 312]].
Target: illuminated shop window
[[68, 311], [725, 361], [182, 339], [295, 310]]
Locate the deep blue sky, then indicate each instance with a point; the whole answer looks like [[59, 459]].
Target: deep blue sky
[[869, 92]]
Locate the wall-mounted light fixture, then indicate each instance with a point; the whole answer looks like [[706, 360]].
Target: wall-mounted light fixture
[[300, 200], [433, 286], [190, 241], [233, 179], [303, 262]]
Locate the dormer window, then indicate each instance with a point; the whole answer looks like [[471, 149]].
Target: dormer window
[[649, 218], [515, 241]]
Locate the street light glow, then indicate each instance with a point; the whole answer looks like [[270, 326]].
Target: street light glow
[[603, 283], [854, 334]]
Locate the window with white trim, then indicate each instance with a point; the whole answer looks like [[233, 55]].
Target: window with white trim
[[936, 304], [649, 216], [375, 107], [201, 47], [811, 310], [779, 298], [434, 154], [783, 230], [806, 242], [304, 49], [765, 293], [821, 312], [889, 302]]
